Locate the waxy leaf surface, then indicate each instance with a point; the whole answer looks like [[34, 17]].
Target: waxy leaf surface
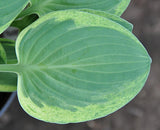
[[9, 9], [76, 66], [42, 7]]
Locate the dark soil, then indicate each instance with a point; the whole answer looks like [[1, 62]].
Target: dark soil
[[3, 98], [142, 113]]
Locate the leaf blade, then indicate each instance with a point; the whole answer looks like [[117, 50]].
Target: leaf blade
[[8, 81], [9, 10], [3, 57], [41, 7], [91, 67], [120, 8], [112, 17]]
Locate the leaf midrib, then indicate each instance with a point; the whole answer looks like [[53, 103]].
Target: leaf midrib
[[39, 67]]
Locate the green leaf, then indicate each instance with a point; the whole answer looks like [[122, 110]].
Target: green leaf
[[24, 21], [75, 66], [120, 8], [112, 17], [42, 7], [9, 9], [8, 81], [3, 40], [3, 58], [10, 52]]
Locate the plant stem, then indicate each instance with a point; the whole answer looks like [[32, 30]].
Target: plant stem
[[9, 68]]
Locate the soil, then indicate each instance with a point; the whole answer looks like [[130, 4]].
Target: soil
[[142, 113]]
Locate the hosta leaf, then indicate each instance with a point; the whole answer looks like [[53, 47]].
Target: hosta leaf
[[75, 66], [9, 9], [42, 7], [120, 8], [10, 52], [8, 81], [3, 40], [24, 22], [112, 17], [3, 58]]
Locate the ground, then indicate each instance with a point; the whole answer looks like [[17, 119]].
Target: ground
[[142, 113]]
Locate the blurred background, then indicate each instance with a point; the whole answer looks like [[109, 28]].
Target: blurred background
[[142, 113]]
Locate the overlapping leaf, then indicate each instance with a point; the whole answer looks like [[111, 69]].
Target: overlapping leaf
[[120, 8], [42, 7], [9, 9], [3, 58], [112, 17], [76, 66], [9, 50], [24, 22], [8, 81]]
